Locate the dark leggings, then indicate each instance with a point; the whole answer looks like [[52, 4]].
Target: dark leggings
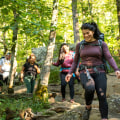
[[64, 83], [100, 87], [2, 82]]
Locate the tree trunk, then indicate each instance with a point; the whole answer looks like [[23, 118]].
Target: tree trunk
[[13, 59], [4, 43], [75, 21], [41, 91], [90, 8], [118, 13], [83, 11]]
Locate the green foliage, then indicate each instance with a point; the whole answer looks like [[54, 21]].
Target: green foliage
[[33, 23], [21, 104], [54, 75], [117, 59], [35, 19]]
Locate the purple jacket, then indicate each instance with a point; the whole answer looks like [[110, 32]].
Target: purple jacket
[[65, 67], [92, 56]]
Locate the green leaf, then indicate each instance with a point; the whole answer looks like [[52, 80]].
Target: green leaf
[[5, 11]]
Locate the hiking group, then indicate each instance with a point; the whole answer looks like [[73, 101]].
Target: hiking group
[[89, 63], [29, 71]]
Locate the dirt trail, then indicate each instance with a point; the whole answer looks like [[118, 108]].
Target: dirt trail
[[113, 93], [74, 111]]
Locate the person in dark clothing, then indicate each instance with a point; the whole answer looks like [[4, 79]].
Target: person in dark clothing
[[65, 59], [29, 73], [92, 57]]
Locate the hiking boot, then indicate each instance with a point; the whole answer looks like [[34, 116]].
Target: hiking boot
[[86, 114]]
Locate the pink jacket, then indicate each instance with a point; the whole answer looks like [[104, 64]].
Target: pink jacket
[[65, 66]]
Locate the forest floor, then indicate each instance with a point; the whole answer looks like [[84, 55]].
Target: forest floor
[[73, 111], [113, 97]]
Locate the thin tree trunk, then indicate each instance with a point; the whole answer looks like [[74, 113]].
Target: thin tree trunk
[[75, 21], [13, 59], [90, 8], [4, 43], [118, 13], [41, 91], [83, 11]]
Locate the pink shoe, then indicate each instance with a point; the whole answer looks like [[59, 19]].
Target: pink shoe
[[63, 100], [72, 101]]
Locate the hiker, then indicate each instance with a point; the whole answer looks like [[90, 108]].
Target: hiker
[[92, 68], [65, 59], [29, 73], [4, 70]]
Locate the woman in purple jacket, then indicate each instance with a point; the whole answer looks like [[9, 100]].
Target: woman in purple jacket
[[65, 59], [92, 60]]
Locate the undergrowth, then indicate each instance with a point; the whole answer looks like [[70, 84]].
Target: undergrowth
[[21, 104]]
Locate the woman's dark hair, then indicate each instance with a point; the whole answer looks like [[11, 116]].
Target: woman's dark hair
[[27, 59], [93, 27], [61, 54]]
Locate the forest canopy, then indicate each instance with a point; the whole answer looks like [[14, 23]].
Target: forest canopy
[[34, 20]]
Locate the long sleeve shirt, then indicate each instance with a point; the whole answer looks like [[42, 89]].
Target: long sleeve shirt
[[92, 56], [65, 66]]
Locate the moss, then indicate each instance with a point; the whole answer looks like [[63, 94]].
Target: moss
[[41, 93]]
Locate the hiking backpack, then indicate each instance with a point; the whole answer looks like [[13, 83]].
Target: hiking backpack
[[108, 69]]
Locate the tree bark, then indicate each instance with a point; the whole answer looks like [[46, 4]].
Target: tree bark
[[41, 91], [4, 43], [13, 59], [75, 21], [118, 13], [90, 8]]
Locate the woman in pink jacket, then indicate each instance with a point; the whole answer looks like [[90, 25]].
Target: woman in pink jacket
[[65, 59]]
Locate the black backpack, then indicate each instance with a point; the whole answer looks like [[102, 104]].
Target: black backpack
[[107, 67], [101, 37], [2, 57]]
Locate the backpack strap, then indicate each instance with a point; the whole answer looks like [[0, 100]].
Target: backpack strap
[[100, 44], [107, 66], [81, 45]]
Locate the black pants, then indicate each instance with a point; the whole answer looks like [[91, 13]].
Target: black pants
[[3, 81], [64, 83], [100, 87]]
